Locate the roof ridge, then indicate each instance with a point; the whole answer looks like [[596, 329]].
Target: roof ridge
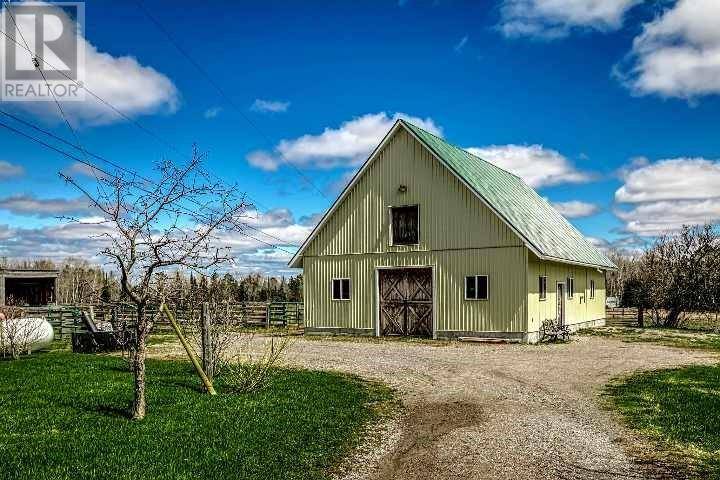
[[402, 120]]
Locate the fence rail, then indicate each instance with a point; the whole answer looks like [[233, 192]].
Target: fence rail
[[66, 320], [621, 317]]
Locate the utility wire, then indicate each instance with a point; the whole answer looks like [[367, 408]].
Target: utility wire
[[223, 94], [109, 105], [94, 167], [36, 59], [94, 95], [36, 63], [104, 172]]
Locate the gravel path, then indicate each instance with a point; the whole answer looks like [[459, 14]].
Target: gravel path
[[479, 411]]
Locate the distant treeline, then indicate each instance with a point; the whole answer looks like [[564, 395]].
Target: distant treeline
[[676, 276], [81, 282]]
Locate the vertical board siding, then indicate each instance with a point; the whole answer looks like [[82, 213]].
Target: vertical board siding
[[451, 217], [581, 308], [459, 236], [504, 311]]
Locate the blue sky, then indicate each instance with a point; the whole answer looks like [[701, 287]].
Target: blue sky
[[608, 108]]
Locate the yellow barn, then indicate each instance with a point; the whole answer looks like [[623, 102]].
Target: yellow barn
[[430, 240]]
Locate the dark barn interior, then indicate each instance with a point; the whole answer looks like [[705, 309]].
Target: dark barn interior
[[28, 288]]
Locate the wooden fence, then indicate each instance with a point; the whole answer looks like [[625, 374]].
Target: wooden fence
[[628, 317], [621, 317], [65, 319]]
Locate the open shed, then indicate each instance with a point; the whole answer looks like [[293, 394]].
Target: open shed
[[28, 287]]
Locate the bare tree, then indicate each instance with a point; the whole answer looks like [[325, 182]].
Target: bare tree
[[150, 226], [678, 274], [18, 334]]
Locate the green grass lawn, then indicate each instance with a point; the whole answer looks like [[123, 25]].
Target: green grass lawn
[[62, 416], [680, 410], [670, 337]]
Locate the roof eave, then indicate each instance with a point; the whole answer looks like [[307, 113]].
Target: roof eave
[[297, 258], [549, 258]]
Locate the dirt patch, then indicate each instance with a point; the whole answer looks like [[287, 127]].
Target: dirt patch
[[476, 411], [416, 454]]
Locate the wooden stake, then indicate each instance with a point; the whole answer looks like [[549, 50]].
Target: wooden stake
[[201, 373], [206, 340]]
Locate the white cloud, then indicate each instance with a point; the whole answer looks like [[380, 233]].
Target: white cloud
[[9, 170], [122, 81], [263, 160], [311, 220], [669, 194], [85, 240], [212, 112], [82, 169], [345, 146], [673, 179], [656, 218], [269, 106], [576, 209], [339, 185], [551, 19], [29, 205], [678, 53], [461, 44], [536, 165], [629, 246]]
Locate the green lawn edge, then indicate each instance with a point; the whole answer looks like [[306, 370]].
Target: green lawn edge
[[63, 418], [676, 411]]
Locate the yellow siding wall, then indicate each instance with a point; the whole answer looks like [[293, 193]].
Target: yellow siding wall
[[458, 235], [451, 217], [581, 308], [504, 311]]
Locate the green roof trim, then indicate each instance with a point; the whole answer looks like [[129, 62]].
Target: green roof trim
[[542, 227]]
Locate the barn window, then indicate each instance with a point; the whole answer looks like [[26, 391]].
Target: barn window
[[405, 225], [592, 288], [542, 286], [476, 287], [341, 289], [570, 287]]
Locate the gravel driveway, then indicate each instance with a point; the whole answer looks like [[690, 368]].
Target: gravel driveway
[[481, 411]]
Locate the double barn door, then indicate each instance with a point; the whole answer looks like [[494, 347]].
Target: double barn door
[[406, 301]]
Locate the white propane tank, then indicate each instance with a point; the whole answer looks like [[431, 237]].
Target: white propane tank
[[37, 332]]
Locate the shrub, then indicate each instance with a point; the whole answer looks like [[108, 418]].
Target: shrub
[[249, 374]]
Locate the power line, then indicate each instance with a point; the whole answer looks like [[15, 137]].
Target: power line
[[109, 105], [104, 172], [222, 93], [36, 63], [36, 59], [94, 167], [94, 95]]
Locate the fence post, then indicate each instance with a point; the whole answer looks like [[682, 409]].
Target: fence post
[[206, 340], [193, 358], [267, 315]]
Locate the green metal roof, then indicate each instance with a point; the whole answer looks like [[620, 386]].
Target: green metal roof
[[544, 229]]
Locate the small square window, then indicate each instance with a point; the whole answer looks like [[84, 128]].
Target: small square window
[[592, 288], [341, 289], [476, 287], [570, 287], [405, 225], [542, 287]]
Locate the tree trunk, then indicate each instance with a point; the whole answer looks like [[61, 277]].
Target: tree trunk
[[641, 317], [673, 318], [138, 407]]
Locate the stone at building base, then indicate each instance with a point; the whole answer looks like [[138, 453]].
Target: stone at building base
[[510, 337], [364, 332], [534, 337]]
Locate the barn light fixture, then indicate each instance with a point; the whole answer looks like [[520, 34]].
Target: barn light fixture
[[402, 188]]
